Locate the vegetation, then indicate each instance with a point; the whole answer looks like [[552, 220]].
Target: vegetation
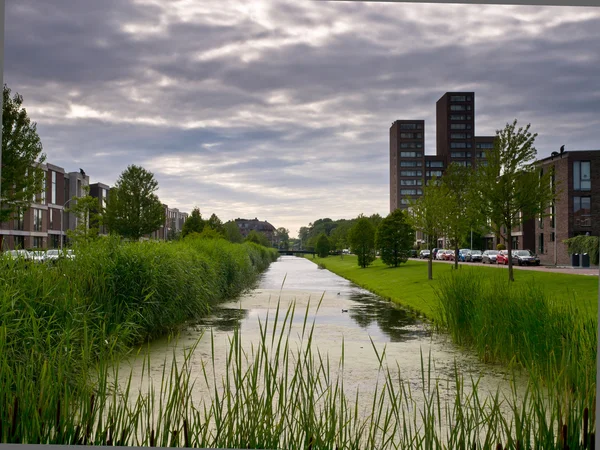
[[21, 178], [89, 218], [394, 238], [426, 216], [232, 232], [322, 248], [335, 230], [512, 189], [584, 244], [408, 287], [216, 224], [500, 246], [193, 224], [258, 238], [283, 234], [362, 241], [133, 209]]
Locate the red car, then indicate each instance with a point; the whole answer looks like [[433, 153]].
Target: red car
[[502, 257]]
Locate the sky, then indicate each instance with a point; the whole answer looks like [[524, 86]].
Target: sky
[[281, 110]]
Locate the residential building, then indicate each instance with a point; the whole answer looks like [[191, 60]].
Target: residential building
[[264, 227], [101, 192]]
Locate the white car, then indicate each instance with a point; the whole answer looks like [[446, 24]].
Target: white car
[[19, 254], [440, 254], [39, 256]]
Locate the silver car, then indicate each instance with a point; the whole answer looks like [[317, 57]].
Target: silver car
[[489, 256]]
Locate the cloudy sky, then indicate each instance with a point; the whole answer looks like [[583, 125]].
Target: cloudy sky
[[281, 110]]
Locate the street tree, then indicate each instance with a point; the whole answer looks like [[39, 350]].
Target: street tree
[[232, 232], [86, 210], [426, 215], [395, 238], [512, 188], [193, 224], [22, 179], [461, 213], [322, 247], [133, 209], [362, 241]]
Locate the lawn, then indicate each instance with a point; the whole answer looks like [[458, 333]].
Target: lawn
[[408, 284]]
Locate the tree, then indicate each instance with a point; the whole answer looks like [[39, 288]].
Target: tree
[[283, 234], [426, 215], [362, 241], [133, 209], [512, 189], [395, 238], [89, 217], [258, 238], [193, 224], [232, 232], [22, 179], [215, 223], [461, 211], [322, 247], [210, 233]]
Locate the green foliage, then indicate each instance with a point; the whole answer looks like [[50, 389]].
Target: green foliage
[[584, 244], [232, 232], [193, 224], [22, 179], [395, 238], [258, 238], [322, 247], [500, 246], [512, 189], [209, 233], [215, 223], [89, 218], [362, 241], [133, 209], [283, 234]]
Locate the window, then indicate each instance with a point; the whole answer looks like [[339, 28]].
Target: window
[[408, 126], [53, 192], [43, 193], [404, 201], [541, 243], [485, 145], [581, 176], [434, 173], [458, 98], [19, 220], [37, 219], [50, 219], [552, 236], [37, 242], [458, 136], [435, 164], [457, 117], [411, 182], [457, 108], [515, 242], [458, 126], [410, 164], [582, 206], [552, 216], [458, 154], [408, 192], [411, 145], [458, 145], [19, 242], [411, 154], [462, 163], [480, 154], [411, 173]]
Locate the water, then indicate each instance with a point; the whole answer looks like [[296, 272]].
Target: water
[[348, 315]]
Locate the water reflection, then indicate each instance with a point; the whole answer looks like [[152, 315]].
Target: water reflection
[[225, 318]]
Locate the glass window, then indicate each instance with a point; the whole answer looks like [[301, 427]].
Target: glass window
[[458, 145], [50, 219], [37, 242], [408, 192], [458, 126], [53, 192], [408, 126], [582, 206], [541, 243], [457, 117], [411, 154], [410, 164], [458, 136], [457, 107], [19, 221], [43, 193], [411, 182], [411, 173], [457, 154], [37, 219], [435, 164], [458, 98], [485, 145], [581, 176]]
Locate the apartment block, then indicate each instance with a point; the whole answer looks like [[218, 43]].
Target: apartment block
[[100, 191]]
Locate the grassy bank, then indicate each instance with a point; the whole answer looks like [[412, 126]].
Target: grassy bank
[[408, 285], [59, 323]]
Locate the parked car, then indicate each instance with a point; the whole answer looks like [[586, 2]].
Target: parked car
[[434, 253], [18, 254], [424, 254], [38, 256], [449, 255], [474, 256], [525, 257], [440, 254], [502, 257], [462, 254], [413, 253], [489, 256]]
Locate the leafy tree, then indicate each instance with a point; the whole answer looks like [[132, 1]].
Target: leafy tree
[[322, 247], [133, 209], [258, 238], [210, 233], [461, 212], [512, 189], [193, 224], [425, 215], [232, 232], [362, 241], [89, 218], [21, 177], [395, 238], [283, 234], [215, 223]]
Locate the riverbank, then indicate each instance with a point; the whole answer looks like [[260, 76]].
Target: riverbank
[[408, 285], [76, 318]]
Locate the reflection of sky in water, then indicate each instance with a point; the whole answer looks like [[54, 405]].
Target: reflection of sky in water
[[377, 317]]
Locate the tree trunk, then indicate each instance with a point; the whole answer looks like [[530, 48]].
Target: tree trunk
[[430, 267], [456, 257], [509, 247]]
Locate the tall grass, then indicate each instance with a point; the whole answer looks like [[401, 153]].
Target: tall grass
[[283, 393], [554, 342], [58, 322]]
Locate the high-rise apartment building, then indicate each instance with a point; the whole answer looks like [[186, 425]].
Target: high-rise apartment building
[[411, 168]]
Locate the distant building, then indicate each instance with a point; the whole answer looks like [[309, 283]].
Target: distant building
[[264, 227]]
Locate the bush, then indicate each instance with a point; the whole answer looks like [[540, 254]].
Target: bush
[[500, 247]]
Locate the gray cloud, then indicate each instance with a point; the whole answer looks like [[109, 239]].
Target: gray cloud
[[282, 111]]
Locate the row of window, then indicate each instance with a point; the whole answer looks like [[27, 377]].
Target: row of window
[[411, 126], [411, 135], [411, 154], [485, 145], [460, 107], [38, 217], [461, 126], [460, 136], [460, 117], [460, 154], [411, 145], [411, 192], [460, 98], [411, 173], [418, 182], [460, 145]]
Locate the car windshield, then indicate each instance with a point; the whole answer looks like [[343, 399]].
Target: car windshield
[[476, 252], [523, 253], [492, 252]]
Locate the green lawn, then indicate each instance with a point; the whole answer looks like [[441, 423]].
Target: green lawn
[[408, 285]]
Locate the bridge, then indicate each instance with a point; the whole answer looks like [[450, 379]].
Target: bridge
[[296, 252]]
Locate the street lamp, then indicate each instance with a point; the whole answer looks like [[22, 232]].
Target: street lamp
[[62, 216]]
